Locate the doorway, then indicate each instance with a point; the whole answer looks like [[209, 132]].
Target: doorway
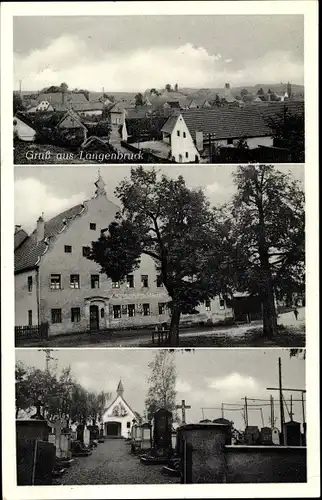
[[113, 428], [93, 318]]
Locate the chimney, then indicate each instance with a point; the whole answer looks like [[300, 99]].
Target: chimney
[[40, 229], [199, 141], [17, 228]]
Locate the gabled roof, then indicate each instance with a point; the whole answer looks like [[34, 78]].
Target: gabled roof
[[88, 106], [26, 119], [19, 238], [28, 253], [274, 109], [170, 123], [74, 116], [226, 123], [57, 97]]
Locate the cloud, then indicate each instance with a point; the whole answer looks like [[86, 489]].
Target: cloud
[[32, 198], [183, 386], [235, 384], [70, 59]]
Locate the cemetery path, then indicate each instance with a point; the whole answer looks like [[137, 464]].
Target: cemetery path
[[112, 463]]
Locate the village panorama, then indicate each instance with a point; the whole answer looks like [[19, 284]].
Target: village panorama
[[152, 256], [166, 125]]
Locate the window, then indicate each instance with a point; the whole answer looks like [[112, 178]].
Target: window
[[74, 281], [95, 281], [221, 304], [55, 281], [92, 226], [30, 317], [56, 315], [130, 281], [68, 249], [128, 425], [86, 251], [131, 310], [75, 312], [184, 135], [230, 141], [146, 309], [178, 133], [116, 312], [102, 312], [29, 283], [159, 281], [144, 281], [115, 284], [162, 307], [187, 154], [208, 305]]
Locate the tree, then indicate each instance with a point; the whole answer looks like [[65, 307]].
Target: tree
[[289, 132], [264, 236], [162, 383], [168, 87], [63, 87], [139, 99], [244, 92], [172, 224], [176, 87], [260, 91], [18, 104]]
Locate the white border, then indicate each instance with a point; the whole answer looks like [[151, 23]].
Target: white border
[[311, 488]]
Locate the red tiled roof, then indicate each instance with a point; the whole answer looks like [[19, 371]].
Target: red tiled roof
[[29, 252], [226, 123]]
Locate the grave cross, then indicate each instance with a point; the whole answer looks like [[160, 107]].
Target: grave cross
[[183, 407], [58, 426]]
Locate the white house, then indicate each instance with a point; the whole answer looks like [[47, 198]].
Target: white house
[[23, 128], [176, 133], [119, 416]]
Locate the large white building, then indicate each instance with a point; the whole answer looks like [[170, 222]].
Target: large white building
[[56, 283]]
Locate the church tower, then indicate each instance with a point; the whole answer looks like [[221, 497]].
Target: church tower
[[120, 389]]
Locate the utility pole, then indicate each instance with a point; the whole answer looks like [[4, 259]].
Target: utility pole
[[272, 411], [281, 398], [246, 412], [48, 357], [222, 410]]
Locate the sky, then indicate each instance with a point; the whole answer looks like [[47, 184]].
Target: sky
[[206, 378], [51, 190], [134, 53]]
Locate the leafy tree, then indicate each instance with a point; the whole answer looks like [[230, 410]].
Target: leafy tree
[[63, 87], [244, 92], [263, 234], [18, 104], [172, 224], [260, 91], [289, 132], [162, 383], [168, 87], [139, 99]]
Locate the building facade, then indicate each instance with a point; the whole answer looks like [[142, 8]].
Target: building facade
[[56, 283], [119, 416]]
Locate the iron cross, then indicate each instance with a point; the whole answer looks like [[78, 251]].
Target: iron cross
[[183, 407]]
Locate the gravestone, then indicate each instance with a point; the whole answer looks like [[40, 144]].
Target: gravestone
[[162, 429], [252, 436], [266, 436], [86, 436], [276, 439], [174, 439], [101, 430], [146, 436], [203, 446], [292, 433]]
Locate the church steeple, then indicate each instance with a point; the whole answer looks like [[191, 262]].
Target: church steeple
[[100, 186], [120, 389]]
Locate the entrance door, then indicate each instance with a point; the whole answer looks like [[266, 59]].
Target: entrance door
[[93, 318], [113, 428]]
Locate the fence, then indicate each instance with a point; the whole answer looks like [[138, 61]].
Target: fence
[[160, 337], [31, 333]]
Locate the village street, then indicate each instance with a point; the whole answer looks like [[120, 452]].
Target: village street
[[112, 463], [240, 335]]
